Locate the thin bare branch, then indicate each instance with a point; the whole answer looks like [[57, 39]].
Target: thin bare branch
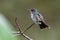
[[29, 27], [26, 36], [20, 32], [18, 26]]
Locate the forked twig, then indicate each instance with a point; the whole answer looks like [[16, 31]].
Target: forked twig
[[20, 32], [18, 26]]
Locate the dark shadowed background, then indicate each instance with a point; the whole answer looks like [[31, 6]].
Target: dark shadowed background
[[50, 9]]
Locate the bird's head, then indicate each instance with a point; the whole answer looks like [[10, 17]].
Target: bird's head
[[33, 10]]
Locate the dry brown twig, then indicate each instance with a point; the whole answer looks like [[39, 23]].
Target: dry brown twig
[[20, 32], [29, 27]]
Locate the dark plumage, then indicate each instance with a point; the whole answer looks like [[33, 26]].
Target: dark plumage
[[42, 25]]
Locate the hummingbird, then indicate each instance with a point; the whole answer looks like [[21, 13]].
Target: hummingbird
[[37, 18]]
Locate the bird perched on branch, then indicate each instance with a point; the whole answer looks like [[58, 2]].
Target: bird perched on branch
[[37, 18]]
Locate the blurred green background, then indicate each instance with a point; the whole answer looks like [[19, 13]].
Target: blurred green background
[[50, 9]]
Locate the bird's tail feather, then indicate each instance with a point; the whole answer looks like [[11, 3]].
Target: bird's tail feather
[[42, 25]]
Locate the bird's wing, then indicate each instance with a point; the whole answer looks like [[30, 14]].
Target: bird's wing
[[40, 17]]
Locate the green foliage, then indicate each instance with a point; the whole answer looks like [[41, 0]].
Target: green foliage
[[5, 29]]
